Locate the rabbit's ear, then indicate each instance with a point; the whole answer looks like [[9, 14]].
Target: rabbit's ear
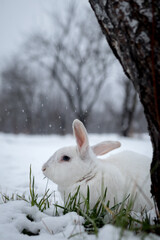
[[105, 147], [80, 134]]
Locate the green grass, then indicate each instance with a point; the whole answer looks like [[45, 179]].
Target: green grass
[[119, 215], [41, 202]]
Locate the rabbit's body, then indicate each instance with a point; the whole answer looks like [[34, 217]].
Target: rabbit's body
[[129, 177], [122, 174]]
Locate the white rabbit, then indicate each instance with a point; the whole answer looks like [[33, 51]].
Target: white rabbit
[[123, 173]]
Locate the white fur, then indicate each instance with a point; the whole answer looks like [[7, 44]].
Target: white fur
[[123, 173]]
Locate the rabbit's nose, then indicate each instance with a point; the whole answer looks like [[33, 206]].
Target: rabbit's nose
[[43, 168]]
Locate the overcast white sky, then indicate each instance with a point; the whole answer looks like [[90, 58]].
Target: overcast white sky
[[18, 18]]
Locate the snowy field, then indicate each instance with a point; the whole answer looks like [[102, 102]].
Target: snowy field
[[17, 152]]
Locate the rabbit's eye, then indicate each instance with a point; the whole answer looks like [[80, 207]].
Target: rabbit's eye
[[65, 158]]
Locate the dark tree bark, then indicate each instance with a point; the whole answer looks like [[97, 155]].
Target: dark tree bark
[[132, 29]]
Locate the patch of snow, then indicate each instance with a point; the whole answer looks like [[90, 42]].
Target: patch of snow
[[143, 37], [146, 12], [124, 7], [13, 220], [134, 24], [104, 2], [99, 12]]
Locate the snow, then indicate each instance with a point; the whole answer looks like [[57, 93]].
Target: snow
[[101, 13], [134, 25], [13, 220], [17, 152]]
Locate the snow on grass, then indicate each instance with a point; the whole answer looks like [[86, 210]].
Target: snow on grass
[[17, 152]]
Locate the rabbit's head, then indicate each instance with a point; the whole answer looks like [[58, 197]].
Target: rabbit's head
[[70, 164]]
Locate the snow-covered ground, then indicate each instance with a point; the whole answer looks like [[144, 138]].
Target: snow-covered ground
[[17, 152]]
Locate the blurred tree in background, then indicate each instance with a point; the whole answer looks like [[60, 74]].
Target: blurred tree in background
[[74, 60], [17, 98], [65, 75], [129, 107]]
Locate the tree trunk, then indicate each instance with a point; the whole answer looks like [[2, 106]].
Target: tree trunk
[[132, 29]]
